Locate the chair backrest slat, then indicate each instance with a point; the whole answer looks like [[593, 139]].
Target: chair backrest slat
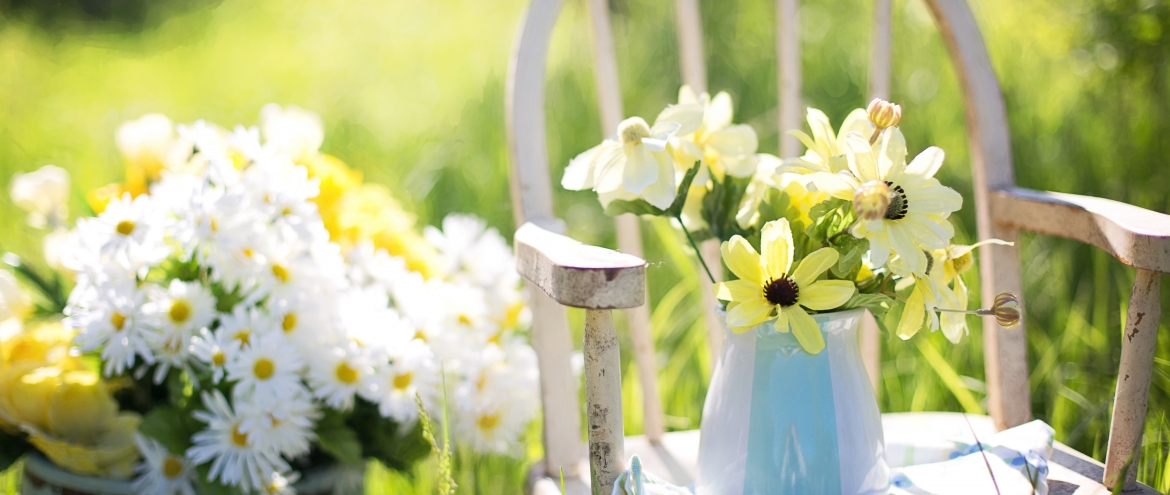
[[628, 228], [690, 45], [788, 51], [532, 201], [881, 50], [1005, 350]]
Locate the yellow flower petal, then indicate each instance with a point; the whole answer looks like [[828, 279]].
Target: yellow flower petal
[[781, 325], [806, 330], [742, 260], [749, 313], [826, 294], [813, 265], [778, 251], [737, 290], [913, 315]]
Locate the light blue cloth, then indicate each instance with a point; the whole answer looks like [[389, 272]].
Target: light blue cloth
[[1017, 459]]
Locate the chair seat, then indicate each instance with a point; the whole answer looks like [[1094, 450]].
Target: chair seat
[[675, 458]]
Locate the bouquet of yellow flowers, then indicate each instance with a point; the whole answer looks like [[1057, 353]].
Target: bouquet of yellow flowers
[[243, 307], [850, 224]]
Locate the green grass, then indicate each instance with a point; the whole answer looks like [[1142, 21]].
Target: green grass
[[412, 94]]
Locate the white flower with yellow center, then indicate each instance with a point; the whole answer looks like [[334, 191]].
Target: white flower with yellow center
[[162, 472], [825, 148], [955, 260], [286, 427], [111, 319], [634, 164], [916, 217], [267, 370], [768, 288], [412, 370], [177, 313], [473, 251], [235, 457], [147, 142], [281, 484], [930, 293], [375, 267], [338, 372], [303, 318], [725, 148], [183, 306], [128, 233], [215, 350]]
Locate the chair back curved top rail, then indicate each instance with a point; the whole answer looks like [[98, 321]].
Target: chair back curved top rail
[[1135, 236]]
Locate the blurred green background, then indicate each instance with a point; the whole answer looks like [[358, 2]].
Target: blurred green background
[[412, 95]]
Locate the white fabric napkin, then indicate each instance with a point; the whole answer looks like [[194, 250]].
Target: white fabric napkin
[[1014, 461]]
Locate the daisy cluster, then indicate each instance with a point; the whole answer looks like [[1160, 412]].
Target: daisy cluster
[[214, 276], [851, 223]]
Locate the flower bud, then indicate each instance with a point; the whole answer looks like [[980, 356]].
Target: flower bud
[[872, 200], [884, 114], [1006, 309]]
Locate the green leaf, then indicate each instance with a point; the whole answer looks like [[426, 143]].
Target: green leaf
[[337, 439], [684, 189], [395, 445], [637, 207], [12, 447], [878, 304], [171, 426], [851, 249]]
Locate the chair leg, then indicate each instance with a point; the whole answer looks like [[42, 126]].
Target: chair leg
[[603, 393], [1138, 343]]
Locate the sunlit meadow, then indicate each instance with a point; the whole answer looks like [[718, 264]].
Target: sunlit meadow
[[412, 95]]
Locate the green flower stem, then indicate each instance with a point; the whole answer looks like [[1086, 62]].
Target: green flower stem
[[698, 253]]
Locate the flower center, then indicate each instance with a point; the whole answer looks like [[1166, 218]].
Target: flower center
[[243, 335], [633, 130], [180, 311], [418, 334], [402, 381], [465, 320], [289, 322], [963, 263], [218, 359], [239, 438], [172, 467], [899, 205], [263, 368], [488, 421], [118, 320], [281, 272], [125, 227], [782, 292], [346, 374]]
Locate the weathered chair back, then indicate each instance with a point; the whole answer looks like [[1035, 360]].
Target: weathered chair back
[[1136, 237]]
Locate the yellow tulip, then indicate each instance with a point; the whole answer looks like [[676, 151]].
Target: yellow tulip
[[80, 410], [30, 395], [113, 455]]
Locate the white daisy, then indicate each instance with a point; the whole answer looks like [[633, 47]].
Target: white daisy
[[215, 350], [304, 318], [161, 472], [370, 266], [412, 370], [281, 484], [286, 427], [368, 321], [267, 370], [111, 318], [128, 233], [183, 306], [337, 373], [235, 458]]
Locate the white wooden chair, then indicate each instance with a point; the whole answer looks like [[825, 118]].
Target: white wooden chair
[[562, 272]]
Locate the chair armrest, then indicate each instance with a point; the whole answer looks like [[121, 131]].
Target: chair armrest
[[579, 275], [1135, 236]]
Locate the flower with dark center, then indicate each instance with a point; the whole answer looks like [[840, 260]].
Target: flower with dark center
[[782, 292], [899, 205]]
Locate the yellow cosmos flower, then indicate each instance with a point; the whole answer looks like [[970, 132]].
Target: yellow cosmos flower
[[769, 289]]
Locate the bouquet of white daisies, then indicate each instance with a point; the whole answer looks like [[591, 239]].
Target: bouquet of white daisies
[[259, 334]]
